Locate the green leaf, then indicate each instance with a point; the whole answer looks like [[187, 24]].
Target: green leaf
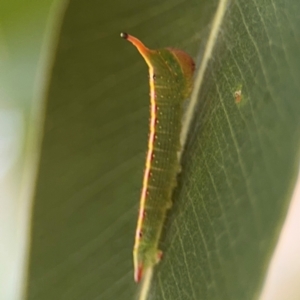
[[240, 161], [238, 166], [27, 38]]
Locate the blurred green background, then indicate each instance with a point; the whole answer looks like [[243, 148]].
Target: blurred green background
[[76, 96]]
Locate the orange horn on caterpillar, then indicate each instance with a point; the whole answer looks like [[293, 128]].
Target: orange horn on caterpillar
[[144, 51]]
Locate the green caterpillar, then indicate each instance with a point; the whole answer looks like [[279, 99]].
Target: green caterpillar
[[171, 78]]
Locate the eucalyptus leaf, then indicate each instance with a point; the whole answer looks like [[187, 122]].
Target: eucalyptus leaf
[[238, 165]]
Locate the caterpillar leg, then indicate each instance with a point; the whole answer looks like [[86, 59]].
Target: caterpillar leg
[[138, 273], [159, 256]]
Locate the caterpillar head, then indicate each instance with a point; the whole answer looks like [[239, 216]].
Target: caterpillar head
[[187, 65]]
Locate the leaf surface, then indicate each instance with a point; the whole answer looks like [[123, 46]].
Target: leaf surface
[[238, 165]]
